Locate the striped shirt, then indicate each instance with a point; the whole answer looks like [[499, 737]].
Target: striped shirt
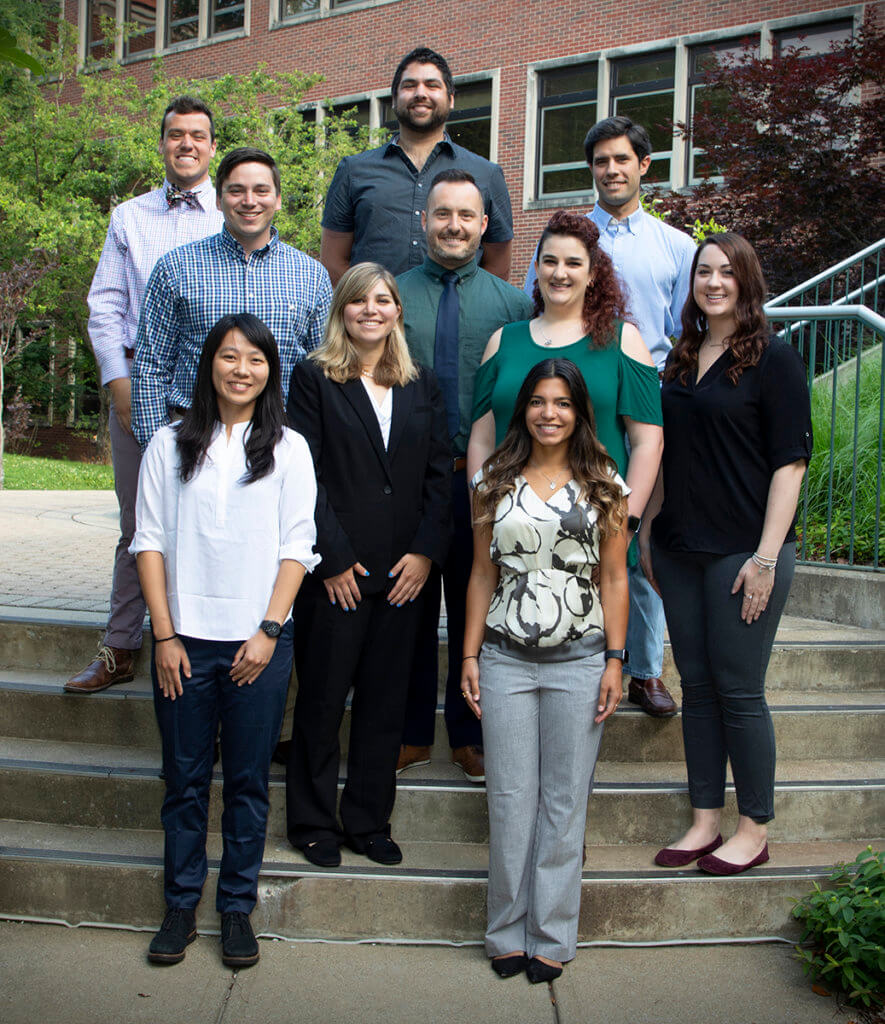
[[192, 287], [141, 231]]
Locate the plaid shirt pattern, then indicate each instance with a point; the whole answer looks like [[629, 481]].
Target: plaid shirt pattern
[[141, 230], [192, 287]]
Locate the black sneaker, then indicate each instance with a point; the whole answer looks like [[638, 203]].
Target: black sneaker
[[239, 947], [178, 930]]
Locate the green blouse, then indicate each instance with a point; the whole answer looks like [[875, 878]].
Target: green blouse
[[619, 386]]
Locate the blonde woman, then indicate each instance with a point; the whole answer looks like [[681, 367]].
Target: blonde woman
[[376, 426]]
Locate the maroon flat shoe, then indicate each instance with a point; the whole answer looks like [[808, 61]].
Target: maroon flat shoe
[[670, 858], [714, 866]]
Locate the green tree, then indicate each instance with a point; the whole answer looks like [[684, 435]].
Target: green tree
[[65, 163]]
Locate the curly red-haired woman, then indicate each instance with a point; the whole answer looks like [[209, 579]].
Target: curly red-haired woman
[[580, 315]]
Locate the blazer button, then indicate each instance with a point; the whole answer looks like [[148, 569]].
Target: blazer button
[[388, 489]]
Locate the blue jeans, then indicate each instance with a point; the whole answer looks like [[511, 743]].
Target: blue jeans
[[645, 629], [250, 718]]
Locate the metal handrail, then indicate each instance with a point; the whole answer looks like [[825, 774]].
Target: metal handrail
[[825, 275], [804, 313]]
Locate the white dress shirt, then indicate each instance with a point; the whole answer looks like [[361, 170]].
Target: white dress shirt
[[383, 412], [141, 230], [222, 540]]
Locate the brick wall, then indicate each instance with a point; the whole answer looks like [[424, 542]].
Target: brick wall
[[358, 51]]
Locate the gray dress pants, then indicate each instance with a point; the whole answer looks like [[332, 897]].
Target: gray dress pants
[[541, 745]]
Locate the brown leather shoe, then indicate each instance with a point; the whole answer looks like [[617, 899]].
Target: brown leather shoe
[[412, 757], [112, 665], [653, 697], [471, 761]]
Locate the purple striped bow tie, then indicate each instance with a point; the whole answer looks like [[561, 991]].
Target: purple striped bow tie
[[176, 195]]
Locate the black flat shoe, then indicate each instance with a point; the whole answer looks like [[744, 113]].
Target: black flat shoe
[[322, 852], [380, 848], [509, 966], [537, 971]]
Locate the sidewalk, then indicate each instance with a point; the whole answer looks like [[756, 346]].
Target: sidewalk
[[57, 975]]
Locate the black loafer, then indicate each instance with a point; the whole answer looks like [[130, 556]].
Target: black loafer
[[380, 848], [239, 947], [322, 852], [509, 966], [537, 971], [177, 932]]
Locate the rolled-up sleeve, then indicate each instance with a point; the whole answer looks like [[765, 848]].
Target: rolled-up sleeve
[[151, 529], [786, 407], [298, 498]]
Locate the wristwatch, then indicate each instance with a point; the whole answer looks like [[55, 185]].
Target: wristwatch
[[271, 628], [633, 523], [621, 654]]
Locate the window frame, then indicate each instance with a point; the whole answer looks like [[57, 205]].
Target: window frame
[[562, 101]]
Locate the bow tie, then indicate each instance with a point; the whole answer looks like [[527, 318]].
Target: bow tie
[[176, 195]]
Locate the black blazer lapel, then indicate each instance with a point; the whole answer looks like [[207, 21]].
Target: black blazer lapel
[[355, 393], [403, 400]]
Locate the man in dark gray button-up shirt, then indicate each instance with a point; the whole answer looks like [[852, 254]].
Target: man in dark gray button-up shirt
[[374, 204]]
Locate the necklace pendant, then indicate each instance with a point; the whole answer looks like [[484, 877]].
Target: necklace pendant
[[553, 485]]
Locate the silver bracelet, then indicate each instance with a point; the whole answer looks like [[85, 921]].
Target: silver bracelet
[[764, 564]]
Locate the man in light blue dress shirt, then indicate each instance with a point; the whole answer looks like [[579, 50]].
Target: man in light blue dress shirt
[[141, 230], [653, 264]]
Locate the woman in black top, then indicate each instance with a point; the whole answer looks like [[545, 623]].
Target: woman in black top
[[737, 438]]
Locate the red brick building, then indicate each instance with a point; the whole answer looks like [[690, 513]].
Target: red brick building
[[531, 77]]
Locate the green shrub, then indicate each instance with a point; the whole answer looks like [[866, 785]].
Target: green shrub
[[818, 480], [845, 926]]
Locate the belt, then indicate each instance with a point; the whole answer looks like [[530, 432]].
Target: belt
[[581, 647], [459, 464]]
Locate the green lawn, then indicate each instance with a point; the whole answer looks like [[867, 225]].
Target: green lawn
[[26, 473]]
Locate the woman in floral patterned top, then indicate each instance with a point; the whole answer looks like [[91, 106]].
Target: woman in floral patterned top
[[543, 651]]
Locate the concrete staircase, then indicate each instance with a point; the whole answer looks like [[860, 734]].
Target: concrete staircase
[[80, 796]]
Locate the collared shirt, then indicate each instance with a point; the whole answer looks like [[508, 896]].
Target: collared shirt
[[141, 230], [223, 540], [653, 264], [192, 287], [485, 304], [379, 195]]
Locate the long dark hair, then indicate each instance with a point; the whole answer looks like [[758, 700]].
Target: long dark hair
[[591, 465], [750, 336], [604, 302], [194, 433]]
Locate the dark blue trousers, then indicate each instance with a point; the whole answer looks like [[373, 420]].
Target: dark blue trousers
[[462, 725], [250, 718]]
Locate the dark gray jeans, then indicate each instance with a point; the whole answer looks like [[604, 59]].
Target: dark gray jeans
[[722, 661]]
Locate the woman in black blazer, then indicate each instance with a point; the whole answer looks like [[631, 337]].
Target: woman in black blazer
[[376, 426]]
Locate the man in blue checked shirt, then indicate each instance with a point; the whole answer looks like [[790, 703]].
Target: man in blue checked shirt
[[141, 230], [244, 269]]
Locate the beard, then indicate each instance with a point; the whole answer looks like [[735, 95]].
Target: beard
[[436, 120]]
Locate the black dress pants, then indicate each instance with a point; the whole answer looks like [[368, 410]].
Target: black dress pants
[[371, 650], [722, 661]]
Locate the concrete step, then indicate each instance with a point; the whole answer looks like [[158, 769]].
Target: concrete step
[[109, 787], [83, 875], [819, 724], [808, 654]]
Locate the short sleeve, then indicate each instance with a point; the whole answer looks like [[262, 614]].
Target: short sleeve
[[338, 209], [639, 391], [622, 483], [483, 386], [786, 407], [500, 227]]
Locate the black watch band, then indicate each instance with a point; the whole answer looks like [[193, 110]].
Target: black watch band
[[621, 654], [633, 523], [271, 628]]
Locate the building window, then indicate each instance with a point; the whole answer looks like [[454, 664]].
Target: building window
[[289, 8], [226, 16], [642, 88], [358, 113], [141, 20], [812, 39], [701, 60], [182, 21], [566, 111], [100, 14]]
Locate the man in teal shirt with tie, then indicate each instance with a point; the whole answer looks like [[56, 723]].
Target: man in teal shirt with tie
[[451, 308]]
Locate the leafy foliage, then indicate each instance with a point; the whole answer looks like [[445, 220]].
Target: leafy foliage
[[845, 925], [798, 143]]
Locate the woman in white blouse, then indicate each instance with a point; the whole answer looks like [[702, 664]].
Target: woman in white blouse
[[224, 535], [376, 425], [543, 651]]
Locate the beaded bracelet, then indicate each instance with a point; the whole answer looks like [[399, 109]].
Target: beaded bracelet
[[764, 564]]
